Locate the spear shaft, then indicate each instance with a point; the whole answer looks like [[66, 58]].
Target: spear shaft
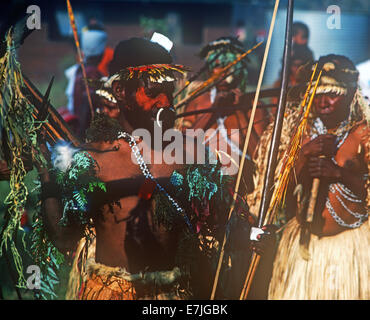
[[75, 36], [246, 142], [274, 147]]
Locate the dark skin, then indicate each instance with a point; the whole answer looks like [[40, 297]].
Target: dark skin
[[109, 108], [315, 162], [300, 38], [148, 244], [126, 235]]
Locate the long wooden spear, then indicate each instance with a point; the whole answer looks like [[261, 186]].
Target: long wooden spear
[[274, 147], [75, 36], [246, 142]]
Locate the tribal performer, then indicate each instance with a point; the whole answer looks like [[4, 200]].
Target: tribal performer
[[93, 43], [156, 225], [326, 256], [227, 93]]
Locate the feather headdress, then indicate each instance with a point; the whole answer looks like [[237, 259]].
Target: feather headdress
[[339, 76], [153, 73]]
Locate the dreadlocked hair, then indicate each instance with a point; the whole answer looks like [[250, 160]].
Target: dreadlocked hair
[[103, 128]]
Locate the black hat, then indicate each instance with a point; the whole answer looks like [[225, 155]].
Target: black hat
[[137, 52]]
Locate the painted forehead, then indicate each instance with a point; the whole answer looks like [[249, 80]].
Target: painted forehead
[[153, 89]]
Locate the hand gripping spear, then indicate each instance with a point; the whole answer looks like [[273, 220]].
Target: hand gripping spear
[[274, 147], [250, 125]]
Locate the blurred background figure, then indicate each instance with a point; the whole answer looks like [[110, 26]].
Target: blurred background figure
[[300, 55], [96, 61], [301, 33], [241, 31], [364, 79], [71, 119]]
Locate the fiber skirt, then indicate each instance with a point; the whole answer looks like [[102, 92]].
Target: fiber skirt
[[338, 268]]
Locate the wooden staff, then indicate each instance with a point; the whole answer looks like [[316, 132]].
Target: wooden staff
[[313, 199], [75, 36], [274, 148], [246, 142]]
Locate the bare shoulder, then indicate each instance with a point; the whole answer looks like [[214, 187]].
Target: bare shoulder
[[361, 132], [102, 148], [113, 159]]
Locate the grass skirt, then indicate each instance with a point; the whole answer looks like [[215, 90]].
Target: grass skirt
[[339, 267], [90, 280]]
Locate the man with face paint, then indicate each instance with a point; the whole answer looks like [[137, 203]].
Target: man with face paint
[[134, 254], [327, 256], [141, 239]]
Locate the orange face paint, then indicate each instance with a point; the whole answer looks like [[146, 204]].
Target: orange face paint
[[147, 103]]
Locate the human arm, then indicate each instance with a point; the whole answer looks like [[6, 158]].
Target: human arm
[[321, 146], [327, 169], [65, 238]]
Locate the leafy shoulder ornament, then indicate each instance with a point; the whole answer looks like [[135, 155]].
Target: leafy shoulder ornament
[[76, 177]]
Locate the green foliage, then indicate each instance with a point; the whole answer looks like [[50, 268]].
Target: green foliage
[[76, 183], [48, 258], [19, 141], [150, 25], [195, 185]]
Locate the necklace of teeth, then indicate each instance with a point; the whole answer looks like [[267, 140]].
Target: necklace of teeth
[[147, 174], [318, 129]]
